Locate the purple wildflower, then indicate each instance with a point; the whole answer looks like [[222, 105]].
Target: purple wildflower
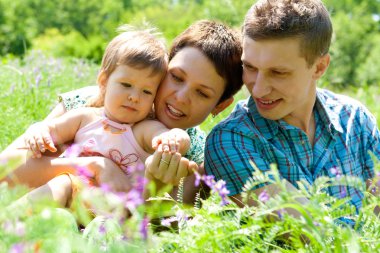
[[140, 184], [317, 224], [38, 79], [217, 187], [209, 180], [335, 171], [17, 248], [84, 172], [102, 229], [17, 228], [198, 179], [105, 188], [181, 215], [220, 188], [134, 198], [343, 193], [264, 196], [167, 222], [144, 228], [374, 190], [280, 213]]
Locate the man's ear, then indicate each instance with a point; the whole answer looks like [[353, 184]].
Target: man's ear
[[321, 66], [221, 106], [102, 80]]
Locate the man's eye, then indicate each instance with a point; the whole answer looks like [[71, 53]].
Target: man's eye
[[278, 73]]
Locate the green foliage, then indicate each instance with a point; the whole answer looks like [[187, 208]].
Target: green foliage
[[83, 28], [30, 87]]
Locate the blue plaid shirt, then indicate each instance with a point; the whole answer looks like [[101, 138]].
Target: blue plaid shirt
[[345, 132]]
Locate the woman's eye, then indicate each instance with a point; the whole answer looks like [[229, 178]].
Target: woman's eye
[[203, 94], [176, 78]]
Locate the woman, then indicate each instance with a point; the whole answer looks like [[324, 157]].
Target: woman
[[204, 73]]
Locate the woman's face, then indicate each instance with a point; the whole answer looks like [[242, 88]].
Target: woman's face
[[190, 91]]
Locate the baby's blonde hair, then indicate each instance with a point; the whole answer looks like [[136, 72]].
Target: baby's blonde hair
[[137, 48]]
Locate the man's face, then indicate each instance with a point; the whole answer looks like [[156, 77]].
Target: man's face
[[279, 79]]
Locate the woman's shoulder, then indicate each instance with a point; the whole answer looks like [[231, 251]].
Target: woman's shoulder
[[78, 98]]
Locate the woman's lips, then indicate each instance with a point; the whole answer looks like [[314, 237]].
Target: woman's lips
[[174, 112]]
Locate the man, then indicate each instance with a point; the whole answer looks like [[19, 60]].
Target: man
[[307, 132]]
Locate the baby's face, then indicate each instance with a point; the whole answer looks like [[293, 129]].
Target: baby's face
[[129, 93]]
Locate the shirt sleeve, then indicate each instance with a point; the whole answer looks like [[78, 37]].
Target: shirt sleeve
[[78, 98], [197, 145], [232, 156]]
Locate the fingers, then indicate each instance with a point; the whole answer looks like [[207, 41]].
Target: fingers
[[49, 144], [32, 144], [169, 143], [170, 176]]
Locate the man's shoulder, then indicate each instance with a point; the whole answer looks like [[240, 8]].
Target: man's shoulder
[[339, 102], [345, 109]]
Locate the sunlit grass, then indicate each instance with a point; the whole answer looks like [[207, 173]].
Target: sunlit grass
[[29, 91]]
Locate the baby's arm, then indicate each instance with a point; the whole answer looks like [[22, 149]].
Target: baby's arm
[[151, 133], [43, 135]]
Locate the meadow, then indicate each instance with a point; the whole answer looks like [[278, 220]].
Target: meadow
[[29, 89]]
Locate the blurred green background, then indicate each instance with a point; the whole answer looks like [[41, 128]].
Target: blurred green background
[[50, 47], [81, 28]]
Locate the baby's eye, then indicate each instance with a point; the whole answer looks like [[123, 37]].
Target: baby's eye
[[148, 92], [127, 85]]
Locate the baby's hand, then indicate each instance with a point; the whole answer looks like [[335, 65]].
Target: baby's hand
[[38, 139], [175, 140]]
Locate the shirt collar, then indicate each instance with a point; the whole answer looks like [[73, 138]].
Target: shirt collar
[[327, 108], [324, 105]]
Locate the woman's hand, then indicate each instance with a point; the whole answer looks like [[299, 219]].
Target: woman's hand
[[168, 168], [38, 139]]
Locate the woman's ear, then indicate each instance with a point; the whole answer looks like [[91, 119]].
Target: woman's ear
[[321, 66], [221, 106]]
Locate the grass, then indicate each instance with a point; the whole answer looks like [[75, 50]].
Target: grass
[[29, 90]]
